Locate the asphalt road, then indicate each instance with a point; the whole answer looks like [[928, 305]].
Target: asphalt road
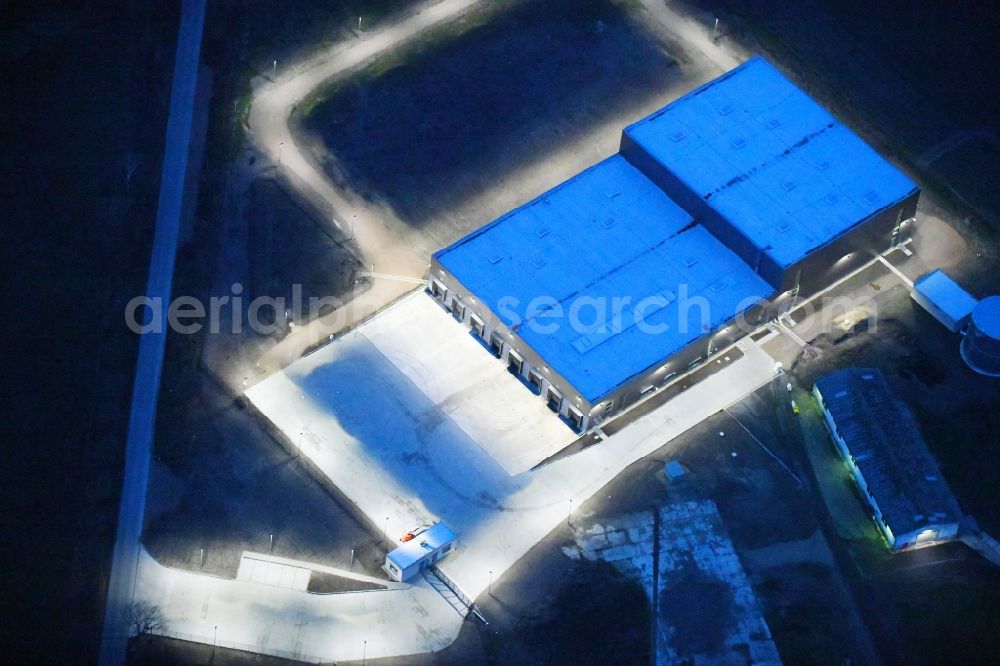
[[385, 252], [142, 418]]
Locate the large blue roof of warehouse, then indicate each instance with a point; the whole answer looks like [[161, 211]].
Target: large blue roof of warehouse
[[607, 232], [770, 160]]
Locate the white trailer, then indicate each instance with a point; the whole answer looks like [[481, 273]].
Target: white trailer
[[419, 553]]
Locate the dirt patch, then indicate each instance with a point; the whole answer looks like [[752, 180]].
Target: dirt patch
[[891, 346], [806, 607], [699, 609], [962, 444], [292, 256], [223, 486], [942, 606], [602, 618], [321, 582]]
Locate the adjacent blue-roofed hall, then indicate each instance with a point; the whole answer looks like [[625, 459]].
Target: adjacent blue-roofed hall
[[721, 210]]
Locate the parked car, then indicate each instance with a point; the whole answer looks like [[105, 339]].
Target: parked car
[[414, 532]]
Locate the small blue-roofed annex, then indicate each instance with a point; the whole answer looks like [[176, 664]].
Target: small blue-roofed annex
[[720, 210], [768, 170], [944, 299], [422, 551]]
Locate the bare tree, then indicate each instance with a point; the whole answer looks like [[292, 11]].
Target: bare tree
[[145, 617]]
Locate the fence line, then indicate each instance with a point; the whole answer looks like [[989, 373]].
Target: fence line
[[236, 645]]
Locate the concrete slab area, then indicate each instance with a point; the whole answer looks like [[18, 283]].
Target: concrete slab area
[[696, 555], [707, 612], [399, 454], [277, 574], [465, 382]]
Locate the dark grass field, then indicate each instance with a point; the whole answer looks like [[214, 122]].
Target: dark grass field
[[84, 88], [220, 485], [940, 607], [908, 76], [290, 247], [434, 125]]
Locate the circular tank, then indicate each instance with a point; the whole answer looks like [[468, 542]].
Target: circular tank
[[981, 344]]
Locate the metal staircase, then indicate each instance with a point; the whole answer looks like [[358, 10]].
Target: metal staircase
[[447, 588]]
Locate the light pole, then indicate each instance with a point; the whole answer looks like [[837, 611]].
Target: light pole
[[280, 146], [364, 652], [489, 588], [274, 70], [359, 24], [385, 532], [569, 516], [215, 636], [715, 29], [298, 447], [272, 543]]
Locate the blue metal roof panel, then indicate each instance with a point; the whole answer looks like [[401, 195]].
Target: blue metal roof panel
[[686, 301], [597, 221], [759, 151], [946, 294], [609, 233]]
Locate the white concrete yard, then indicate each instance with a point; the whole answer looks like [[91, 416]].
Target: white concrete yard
[[377, 415], [465, 383], [388, 412]]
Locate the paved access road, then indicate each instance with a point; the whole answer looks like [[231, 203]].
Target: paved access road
[[272, 105], [272, 618]]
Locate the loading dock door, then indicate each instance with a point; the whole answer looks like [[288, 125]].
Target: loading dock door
[[576, 418], [553, 399], [514, 364], [496, 344], [476, 324], [535, 381], [438, 290]]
